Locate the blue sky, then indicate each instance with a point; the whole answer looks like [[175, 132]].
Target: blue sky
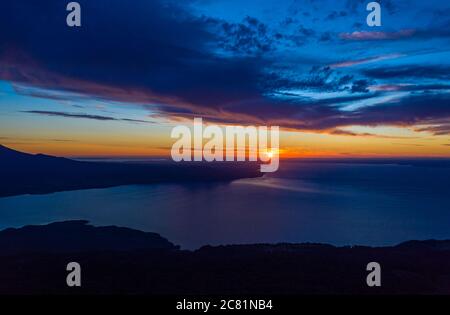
[[310, 66]]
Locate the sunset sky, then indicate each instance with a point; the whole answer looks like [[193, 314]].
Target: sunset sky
[[134, 69]]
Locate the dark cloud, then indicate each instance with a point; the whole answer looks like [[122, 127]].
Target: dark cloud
[[306, 32], [359, 6], [47, 94], [439, 130], [326, 37], [144, 51], [288, 21], [320, 79], [82, 116], [360, 86], [335, 14], [328, 115], [249, 37], [412, 87], [148, 52], [416, 109], [355, 6], [301, 36], [409, 71], [159, 55], [390, 5], [440, 28], [343, 132]]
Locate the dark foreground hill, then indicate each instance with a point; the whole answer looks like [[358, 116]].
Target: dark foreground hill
[[76, 236], [116, 261], [23, 173]]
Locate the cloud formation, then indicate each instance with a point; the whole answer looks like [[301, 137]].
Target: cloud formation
[[374, 35], [179, 64], [82, 116]]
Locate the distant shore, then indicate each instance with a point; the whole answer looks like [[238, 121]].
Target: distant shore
[[24, 173]]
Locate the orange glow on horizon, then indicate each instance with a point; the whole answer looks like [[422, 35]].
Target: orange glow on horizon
[[146, 143]]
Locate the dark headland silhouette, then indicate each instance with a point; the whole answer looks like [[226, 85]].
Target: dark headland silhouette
[[75, 236], [117, 260], [24, 173]]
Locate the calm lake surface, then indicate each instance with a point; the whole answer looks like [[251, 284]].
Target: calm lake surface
[[337, 203]]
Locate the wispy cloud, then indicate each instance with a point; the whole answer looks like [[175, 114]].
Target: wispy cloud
[[83, 116], [412, 71], [440, 130], [350, 63], [366, 35], [342, 132]]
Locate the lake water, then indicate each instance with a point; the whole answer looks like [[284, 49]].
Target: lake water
[[335, 203]]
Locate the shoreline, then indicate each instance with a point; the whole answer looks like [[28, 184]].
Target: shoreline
[[24, 173]]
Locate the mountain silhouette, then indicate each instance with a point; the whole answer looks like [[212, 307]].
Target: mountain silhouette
[[24, 173], [77, 236]]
